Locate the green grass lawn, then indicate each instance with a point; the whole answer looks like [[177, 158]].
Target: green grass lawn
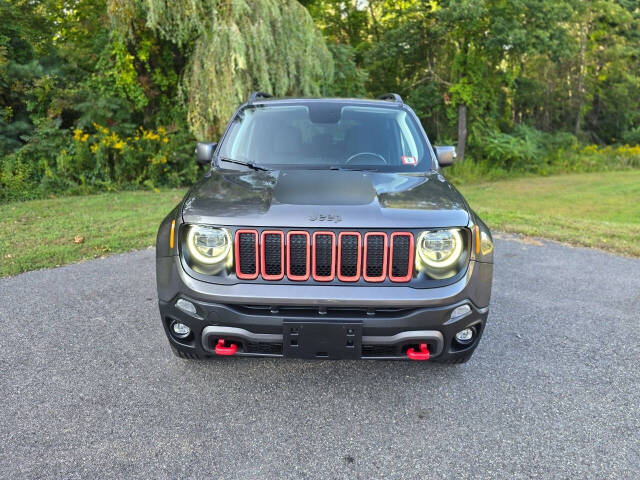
[[595, 209], [42, 233], [591, 209]]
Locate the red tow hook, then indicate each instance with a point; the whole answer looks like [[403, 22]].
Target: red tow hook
[[222, 350], [423, 354]]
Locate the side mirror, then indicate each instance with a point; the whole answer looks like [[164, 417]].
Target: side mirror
[[204, 152], [446, 156]]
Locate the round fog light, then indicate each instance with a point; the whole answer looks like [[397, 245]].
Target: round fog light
[[180, 330], [464, 336]]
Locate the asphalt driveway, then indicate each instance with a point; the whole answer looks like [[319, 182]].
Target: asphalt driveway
[[90, 388]]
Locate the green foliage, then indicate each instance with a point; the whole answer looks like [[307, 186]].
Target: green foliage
[[238, 47], [566, 65], [528, 151], [348, 80], [539, 80], [122, 71], [100, 159]]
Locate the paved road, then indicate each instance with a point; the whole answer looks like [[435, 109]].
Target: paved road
[[90, 388]]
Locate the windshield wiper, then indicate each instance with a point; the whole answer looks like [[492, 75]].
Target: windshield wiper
[[353, 169], [251, 165]]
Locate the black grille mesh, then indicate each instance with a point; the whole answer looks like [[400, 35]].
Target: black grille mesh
[[247, 253], [263, 347], [272, 254], [400, 263], [379, 351], [324, 255], [375, 255], [298, 255], [349, 256]]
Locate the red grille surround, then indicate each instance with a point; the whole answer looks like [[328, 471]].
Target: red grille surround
[[314, 270], [385, 254], [239, 255], [290, 275], [324, 256], [263, 265], [350, 278], [409, 274]]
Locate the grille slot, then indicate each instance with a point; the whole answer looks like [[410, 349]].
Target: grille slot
[[375, 253], [247, 254], [401, 262], [349, 256], [298, 255], [379, 351], [264, 348], [324, 247], [272, 255]]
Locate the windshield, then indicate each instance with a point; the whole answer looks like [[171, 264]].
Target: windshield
[[326, 135]]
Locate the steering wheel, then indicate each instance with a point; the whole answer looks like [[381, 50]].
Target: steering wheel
[[376, 155]]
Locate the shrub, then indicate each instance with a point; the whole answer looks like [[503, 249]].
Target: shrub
[[528, 151], [102, 159]]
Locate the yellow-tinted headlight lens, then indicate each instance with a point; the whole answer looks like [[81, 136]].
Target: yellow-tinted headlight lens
[[208, 245], [440, 248]]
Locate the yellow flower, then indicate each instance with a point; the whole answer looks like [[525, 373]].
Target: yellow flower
[[165, 140], [77, 133], [85, 137], [119, 145], [149, 135], [94, 147], [162, 131], [100, 129]]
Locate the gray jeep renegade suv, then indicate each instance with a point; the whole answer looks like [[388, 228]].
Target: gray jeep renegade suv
[[324, 228]]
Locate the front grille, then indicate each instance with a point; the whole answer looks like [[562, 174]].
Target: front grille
[[325, 256]]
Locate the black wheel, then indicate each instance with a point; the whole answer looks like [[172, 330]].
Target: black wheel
[[185, 355], [455, 360]]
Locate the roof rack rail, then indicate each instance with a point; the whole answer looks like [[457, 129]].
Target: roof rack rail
[[258, 95], [391, 96]]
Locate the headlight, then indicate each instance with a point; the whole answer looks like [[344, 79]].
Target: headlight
[[208, 245], [440, 248]]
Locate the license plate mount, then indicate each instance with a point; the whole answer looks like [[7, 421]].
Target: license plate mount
[[322, 340]]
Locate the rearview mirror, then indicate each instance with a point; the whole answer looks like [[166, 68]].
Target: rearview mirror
[[446, 155], [204, 152]]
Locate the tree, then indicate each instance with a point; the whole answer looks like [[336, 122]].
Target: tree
[[232, 48]]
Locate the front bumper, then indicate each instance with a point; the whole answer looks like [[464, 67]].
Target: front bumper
[[387, 321], [380, 334]]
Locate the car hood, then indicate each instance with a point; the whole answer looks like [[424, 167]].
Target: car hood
[[325, 199]]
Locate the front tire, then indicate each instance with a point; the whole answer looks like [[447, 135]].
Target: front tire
[[185, 355], [455, 360]]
